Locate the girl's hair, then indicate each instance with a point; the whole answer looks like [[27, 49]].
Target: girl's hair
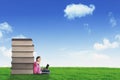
[[37, 57]]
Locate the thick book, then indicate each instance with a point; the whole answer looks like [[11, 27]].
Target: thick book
[[22, 53], [14, 71], [23, 48], [22, 42], [22, 59], [22, 66]]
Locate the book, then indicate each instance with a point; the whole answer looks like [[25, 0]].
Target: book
[[22, 53], [22, 59], [22, 66], [14, 71], [23, 48], [22, 41]]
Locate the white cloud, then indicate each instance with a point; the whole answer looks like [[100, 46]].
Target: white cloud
[[112, 20], [78, 10], [20, 36], [101, 56], [5, 51], [5, 27], [89, 55], [87, 27], [1, 34], [85, 58], [106, 45], [62, 49], [117, 37]]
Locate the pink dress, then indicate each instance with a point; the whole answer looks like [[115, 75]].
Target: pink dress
[[36, 68]]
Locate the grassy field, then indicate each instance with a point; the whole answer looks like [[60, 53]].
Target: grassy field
[[67, 73]]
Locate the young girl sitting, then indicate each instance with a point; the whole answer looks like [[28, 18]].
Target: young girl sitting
[[37, 69]]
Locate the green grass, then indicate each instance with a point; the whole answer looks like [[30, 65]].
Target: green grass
[[67, 73]]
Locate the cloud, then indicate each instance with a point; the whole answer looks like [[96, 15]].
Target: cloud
[[1, 34], [117, 37], [89, 55], [5, 51], [78, 10], [87, 58], [112, 20], [4, 28], [62, 49], [101, 56], [87, 27], [106, 45], [20, 36]]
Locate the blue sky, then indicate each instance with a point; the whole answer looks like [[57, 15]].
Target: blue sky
[[65, 33]]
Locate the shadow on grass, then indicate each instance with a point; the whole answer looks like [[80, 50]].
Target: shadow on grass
[[29, 77]]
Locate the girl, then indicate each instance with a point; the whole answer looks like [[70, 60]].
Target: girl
[[37, 69]]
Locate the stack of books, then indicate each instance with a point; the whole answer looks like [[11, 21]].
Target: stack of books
[[22, 56]]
